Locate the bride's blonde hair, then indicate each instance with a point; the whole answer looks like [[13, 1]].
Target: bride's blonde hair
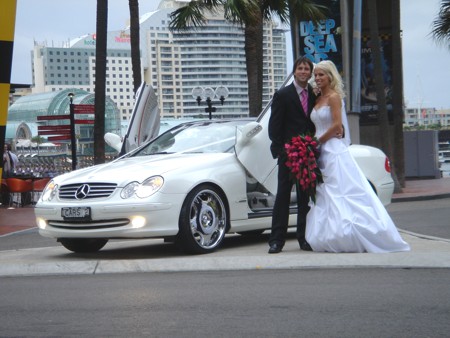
[[330, 69]]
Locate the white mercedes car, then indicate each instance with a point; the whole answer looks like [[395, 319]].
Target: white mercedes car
[[191, 185]]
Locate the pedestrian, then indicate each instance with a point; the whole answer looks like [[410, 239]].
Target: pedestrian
[[290, 116], [10, 161], [347, 215]]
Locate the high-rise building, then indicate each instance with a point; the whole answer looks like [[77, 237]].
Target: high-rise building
[[173, 63], [61, 68]]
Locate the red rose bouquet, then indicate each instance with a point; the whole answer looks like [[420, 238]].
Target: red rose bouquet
[[302, 154]]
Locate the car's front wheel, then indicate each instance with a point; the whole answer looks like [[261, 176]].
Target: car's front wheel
[[203, 220], [83, 245]]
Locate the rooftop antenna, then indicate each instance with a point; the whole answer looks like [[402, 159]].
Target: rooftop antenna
[[418, 87]]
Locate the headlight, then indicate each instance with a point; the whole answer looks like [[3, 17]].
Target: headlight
[[129, 190], [149, 186], [50, 191], [143, 190]]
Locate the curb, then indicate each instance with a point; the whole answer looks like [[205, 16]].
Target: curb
[[419, 198], [428, 252]]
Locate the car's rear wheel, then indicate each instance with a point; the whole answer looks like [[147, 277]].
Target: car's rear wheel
[[373, 187], [83, 245], [203, 220]]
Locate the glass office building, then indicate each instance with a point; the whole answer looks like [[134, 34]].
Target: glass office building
[[23, 113]]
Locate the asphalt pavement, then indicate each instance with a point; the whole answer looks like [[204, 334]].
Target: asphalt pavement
[[157, 256]]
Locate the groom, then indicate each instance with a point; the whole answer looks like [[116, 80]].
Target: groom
[[291, 109]]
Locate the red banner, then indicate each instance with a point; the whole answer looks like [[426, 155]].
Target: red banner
[[53, 117], [49, 132], [84, 108], [59, 138], [84, 121], [54, 128]]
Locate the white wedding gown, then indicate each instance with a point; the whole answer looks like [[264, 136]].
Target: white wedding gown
[[347, 216]]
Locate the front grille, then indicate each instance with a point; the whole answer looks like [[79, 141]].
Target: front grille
[[81, 191]]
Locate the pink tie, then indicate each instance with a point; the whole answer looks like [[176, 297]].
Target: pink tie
[[304, 99]]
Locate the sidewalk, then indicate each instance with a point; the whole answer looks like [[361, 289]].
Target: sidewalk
[[156, 256], [419, 190]]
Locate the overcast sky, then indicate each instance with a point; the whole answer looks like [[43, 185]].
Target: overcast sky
[[426, 66]]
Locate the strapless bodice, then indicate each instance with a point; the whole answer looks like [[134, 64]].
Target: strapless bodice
[[322, 119]]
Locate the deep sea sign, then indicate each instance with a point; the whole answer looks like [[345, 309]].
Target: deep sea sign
[[318, 40]]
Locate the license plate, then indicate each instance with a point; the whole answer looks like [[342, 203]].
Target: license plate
[[76, 213]]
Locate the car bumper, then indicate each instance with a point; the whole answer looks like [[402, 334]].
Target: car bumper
[[143, 220], [384, 192]]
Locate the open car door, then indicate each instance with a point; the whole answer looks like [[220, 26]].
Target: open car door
[[145, 120], [253, 149], [144, 123]]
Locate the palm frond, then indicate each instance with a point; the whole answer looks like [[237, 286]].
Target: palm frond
[[276, 8], [308, 10], [186, 18], [441, 25], [191, 15], [244, 12]]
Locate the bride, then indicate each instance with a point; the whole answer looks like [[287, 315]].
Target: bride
[[347, 216]]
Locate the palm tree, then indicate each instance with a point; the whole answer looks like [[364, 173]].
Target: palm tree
[[135, 42], [303, 10], [39, 140], [100, 81], [398, 158], [250, 14], [383, 120], [441, 25]]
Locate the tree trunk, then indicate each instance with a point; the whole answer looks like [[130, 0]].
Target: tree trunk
[[135, 42], [100, 81], [383, 120], [398, 159], [295, 34], [254, 60]]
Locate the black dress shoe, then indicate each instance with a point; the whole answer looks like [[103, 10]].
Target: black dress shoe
[[275, 248], [304, 245]]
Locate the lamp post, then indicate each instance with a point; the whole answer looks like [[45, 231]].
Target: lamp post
[[73, 141], [208, 94]]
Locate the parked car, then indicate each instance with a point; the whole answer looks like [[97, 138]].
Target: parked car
[[191, 185]]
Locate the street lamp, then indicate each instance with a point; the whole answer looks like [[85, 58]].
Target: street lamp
[[208, 94], [73, 140]]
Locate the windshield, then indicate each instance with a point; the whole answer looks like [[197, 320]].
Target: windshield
[[204, 137]]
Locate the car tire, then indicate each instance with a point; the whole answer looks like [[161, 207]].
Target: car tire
[[83, 245], [373, 187], [203, 220]]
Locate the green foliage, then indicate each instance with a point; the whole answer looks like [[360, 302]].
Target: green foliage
[[38, 139], [441, 25], [307, 10], [436, 126]]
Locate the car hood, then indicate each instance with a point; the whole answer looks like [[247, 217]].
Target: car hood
[[138, 168]]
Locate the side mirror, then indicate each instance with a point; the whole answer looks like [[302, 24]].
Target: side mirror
[[114, 141], [247, 132]]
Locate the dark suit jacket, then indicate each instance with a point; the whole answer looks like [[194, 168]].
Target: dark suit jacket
[[288, 118]]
